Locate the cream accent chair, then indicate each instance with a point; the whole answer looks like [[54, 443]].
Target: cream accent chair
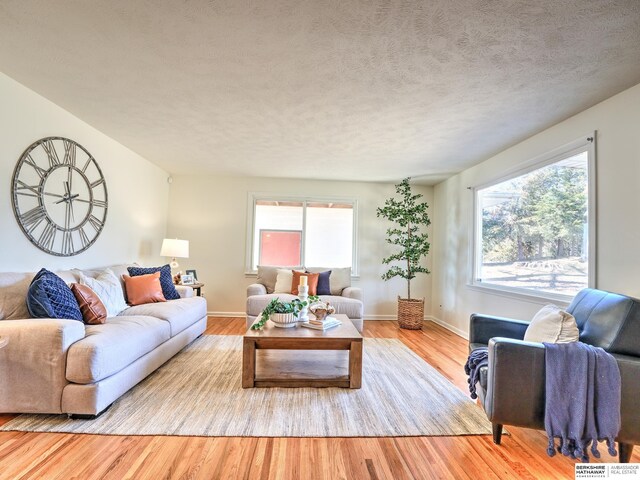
[[346, 299]]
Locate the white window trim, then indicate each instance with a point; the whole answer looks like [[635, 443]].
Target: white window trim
[[584, 143], [253, 197]]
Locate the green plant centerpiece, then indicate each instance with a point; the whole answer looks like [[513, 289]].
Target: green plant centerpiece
[[277, 306], [408, 235]]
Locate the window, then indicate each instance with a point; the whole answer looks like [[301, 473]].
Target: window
[[295, 231], [534, 230]]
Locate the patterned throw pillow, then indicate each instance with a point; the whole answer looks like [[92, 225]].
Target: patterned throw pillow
[[166, 279], [49, 297], [108, 288]]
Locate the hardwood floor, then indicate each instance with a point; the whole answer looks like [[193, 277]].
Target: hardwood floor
[[66, 456]]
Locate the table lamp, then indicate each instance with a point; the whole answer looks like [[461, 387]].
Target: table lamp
[[172, 247]]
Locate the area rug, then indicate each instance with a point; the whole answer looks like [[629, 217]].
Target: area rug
[[199, 393]]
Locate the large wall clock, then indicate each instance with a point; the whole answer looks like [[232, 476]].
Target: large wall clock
[[59, 196]]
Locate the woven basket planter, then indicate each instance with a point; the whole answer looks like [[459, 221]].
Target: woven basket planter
[[410, 313]]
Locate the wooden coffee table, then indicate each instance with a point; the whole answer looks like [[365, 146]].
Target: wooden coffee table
[[272, 357]]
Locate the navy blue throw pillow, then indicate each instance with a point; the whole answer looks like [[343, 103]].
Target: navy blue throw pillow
[[50, 297], [324, 287], [166, 279]]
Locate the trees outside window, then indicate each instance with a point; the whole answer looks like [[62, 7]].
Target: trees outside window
[[533, 229]]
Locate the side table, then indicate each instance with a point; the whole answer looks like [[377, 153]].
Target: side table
[[197, 288]]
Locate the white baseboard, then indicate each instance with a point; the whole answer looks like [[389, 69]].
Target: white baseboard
[[227, 314], [451, 328], [380, 317], [427, 318]]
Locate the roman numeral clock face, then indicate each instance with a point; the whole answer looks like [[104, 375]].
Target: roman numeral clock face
[[59, 196]]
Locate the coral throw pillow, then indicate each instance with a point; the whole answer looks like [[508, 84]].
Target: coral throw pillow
[[166, 279], [312, 281], [93, 310], [144, 289]]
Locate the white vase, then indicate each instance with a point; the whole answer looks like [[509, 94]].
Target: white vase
[[283, 320]]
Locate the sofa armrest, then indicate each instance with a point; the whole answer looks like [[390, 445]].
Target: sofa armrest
[[184, 291], [256, 289], [483, 328], [515, 383], [629, 411], [33, 363], [353, 292]]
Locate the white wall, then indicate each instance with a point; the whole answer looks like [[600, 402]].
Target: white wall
[[617, 121], [138, 191], [211, 212]]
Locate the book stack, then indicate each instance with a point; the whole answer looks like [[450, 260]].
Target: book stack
[[325, 324]]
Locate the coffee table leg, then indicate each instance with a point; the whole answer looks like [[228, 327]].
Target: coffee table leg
[[355, 365], [248, 363]]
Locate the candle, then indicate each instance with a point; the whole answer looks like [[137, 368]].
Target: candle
[[303, 281]]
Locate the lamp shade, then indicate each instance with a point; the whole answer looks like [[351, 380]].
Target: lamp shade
[[172, 247]]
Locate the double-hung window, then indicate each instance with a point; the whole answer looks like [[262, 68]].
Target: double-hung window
[[535, 229], [291, 231]]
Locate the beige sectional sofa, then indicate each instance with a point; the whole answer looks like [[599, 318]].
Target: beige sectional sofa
[[347, 300], [65, 366]]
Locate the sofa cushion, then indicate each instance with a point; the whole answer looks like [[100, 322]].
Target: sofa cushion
[[348, 306], [180, 314], [13, 295], [118, 270], [50, 297], [112, 346], [166, 279], [257, 303], [608, 320]]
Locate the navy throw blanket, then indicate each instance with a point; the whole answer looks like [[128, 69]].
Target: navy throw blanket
[[478, 358], [582, 399]]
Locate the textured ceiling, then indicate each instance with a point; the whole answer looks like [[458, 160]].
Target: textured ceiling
[[346, 89]]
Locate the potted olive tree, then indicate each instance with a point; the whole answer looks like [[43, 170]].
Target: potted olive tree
[[410, 218]]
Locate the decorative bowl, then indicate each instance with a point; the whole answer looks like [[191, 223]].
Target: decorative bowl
[[321, 310], [283, 320]]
